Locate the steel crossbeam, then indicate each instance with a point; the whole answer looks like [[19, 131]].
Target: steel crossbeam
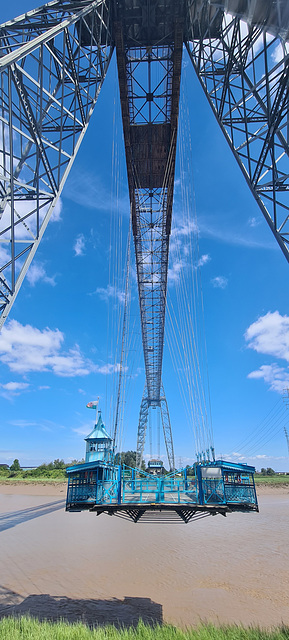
[[53, 61]]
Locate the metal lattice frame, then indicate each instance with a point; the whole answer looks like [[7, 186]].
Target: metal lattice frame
[[52, 66], [241, 59], [142, 428], [166, 424], [167, 429]]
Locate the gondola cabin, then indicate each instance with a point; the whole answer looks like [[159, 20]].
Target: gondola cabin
[[100, 485]]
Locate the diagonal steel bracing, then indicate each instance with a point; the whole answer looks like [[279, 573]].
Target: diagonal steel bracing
[[166, 424], [240, 53], [53, 61]]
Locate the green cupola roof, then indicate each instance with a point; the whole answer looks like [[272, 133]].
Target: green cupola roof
[[99, 433]]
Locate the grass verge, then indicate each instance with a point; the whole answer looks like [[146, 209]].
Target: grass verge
[[276, 480], [25, 628]]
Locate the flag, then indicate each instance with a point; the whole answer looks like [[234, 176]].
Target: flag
[[92, 405]]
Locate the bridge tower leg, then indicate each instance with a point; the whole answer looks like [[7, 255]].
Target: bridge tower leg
[[166, 424]]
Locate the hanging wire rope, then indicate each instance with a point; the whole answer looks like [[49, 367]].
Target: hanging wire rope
[[185, 311], [123, 341], [266, 431]]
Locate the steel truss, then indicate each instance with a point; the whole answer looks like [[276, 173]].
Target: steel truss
[[241, 59], [146, 403], [53, 62]]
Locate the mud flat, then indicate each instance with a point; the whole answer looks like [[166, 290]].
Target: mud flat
[[103, 569]]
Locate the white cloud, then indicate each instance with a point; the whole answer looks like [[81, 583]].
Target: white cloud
[[278, 53], [270, 335], [37, 272], [4, 254], [79, 245], [174, 271], [254, 222], [25, 349], [182, 262], [111, 292], [219, 282], [204, 259], [15, 386], [276, 377], [107, 369], [11, 389]]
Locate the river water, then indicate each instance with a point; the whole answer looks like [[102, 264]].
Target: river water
[[104, 569]]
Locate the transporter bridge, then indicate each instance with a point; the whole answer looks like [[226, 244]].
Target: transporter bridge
[[53, 62]]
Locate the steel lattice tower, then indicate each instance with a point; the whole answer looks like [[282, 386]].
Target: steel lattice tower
[[53, 62]]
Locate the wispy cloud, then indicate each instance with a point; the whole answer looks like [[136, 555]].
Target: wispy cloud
[[11, 389], [25, 349], [36, 273], [225, 233], [79, 245], [219, 282], [84, 430], [254, 222], [111, 292], [90, 191], [204, 259], [240, 457]]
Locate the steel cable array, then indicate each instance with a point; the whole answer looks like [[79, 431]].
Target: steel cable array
[[185, 311]]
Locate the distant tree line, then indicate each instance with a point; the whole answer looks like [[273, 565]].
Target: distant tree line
[[267, 472], [55, 469]]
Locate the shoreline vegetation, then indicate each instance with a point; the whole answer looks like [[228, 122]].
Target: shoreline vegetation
[[22, 628], [55, 473], [58, 476]]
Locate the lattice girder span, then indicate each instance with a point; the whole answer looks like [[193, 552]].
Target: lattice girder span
[[149, 42]]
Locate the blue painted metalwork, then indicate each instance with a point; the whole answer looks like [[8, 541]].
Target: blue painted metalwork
[[205, 486], [98, 443]]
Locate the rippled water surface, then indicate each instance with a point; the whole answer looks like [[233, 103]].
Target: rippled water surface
[[80, 566]]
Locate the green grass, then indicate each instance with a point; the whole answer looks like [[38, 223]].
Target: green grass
[[272, 479], [35, 480], [25, 628]]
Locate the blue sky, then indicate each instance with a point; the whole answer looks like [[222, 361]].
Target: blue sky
[[57, 347]]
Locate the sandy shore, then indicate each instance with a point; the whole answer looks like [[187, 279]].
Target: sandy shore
[[103, 569]]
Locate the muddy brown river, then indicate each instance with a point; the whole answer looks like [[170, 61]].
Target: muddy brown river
[[103, 569]]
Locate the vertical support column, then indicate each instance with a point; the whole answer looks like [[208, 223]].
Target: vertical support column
[[200, 483], [119, 485]]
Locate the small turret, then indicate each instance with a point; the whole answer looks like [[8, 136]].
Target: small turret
[[98, 443]]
